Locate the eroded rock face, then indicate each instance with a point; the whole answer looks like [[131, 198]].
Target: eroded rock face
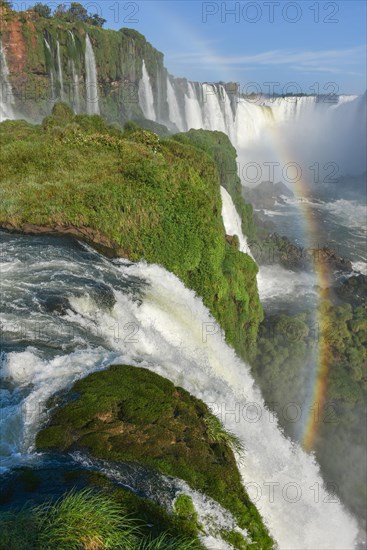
[[46, 61], [13, 37], [267, 193], [275, 248]]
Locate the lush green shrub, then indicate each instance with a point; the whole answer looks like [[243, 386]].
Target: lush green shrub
[[142, 196]]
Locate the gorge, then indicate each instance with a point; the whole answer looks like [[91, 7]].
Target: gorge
[[165, 203]]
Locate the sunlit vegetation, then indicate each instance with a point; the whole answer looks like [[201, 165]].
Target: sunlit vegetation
[[141, 196], [130, 414], [82, 520]]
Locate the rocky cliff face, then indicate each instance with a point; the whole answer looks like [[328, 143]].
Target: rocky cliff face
[[117, 74], [48, 61]]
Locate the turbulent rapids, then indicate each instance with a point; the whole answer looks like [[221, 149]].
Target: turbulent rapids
[[67, 311]]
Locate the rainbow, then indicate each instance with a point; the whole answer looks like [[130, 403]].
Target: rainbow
[[314, 407], [317, 396]]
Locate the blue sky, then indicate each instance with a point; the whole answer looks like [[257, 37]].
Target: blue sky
[[317, 45]]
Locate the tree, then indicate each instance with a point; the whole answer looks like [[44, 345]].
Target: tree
[[77, 12], [97, 21], [43, 10], [60, 11], [6, 4]]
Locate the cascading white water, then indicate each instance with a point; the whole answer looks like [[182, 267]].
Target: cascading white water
[[6, 93], [76, 85], [52, 80], [227, 114], [146, 98], [194, 118], [287, 109], [303, 130], [173, 106], [92, 94], [232, 220], [212, 112], [251, 122], [212, 518], [274, 282], [60, 73], [324, 138], [169, 331]]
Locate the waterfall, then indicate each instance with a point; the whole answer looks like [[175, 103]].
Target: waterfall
[[161, 95], [173, 106], [212, 112], [6, 93], [146, 98], [91, 84], [282, 479], [52, 80], [59, 68], [227, 114], [318, 131], [250, 123], [194, 118], [76, 86], [232, 220], [304, 130]]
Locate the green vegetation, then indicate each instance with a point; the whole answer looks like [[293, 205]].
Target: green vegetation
[[345, 333], [43, 10], [220, 149], [287, 349], [217, 434], [133, 415], [82, 520], [284, 346], [184, 508], [144, 197], [155, 520], [163, 542], [75, 13], [235, 539], [283, 349], [34, 69]]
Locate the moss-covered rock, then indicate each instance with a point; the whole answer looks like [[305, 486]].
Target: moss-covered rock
[[141, 196], [131, 414]]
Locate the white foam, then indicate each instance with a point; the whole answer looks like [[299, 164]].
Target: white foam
[[232, 221], [274, 281], [360, 267], [171, 333]]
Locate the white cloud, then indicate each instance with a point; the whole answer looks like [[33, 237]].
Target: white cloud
[[332, 61]]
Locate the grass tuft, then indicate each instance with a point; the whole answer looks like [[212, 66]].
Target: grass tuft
[[217, 434], [84, 519]]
